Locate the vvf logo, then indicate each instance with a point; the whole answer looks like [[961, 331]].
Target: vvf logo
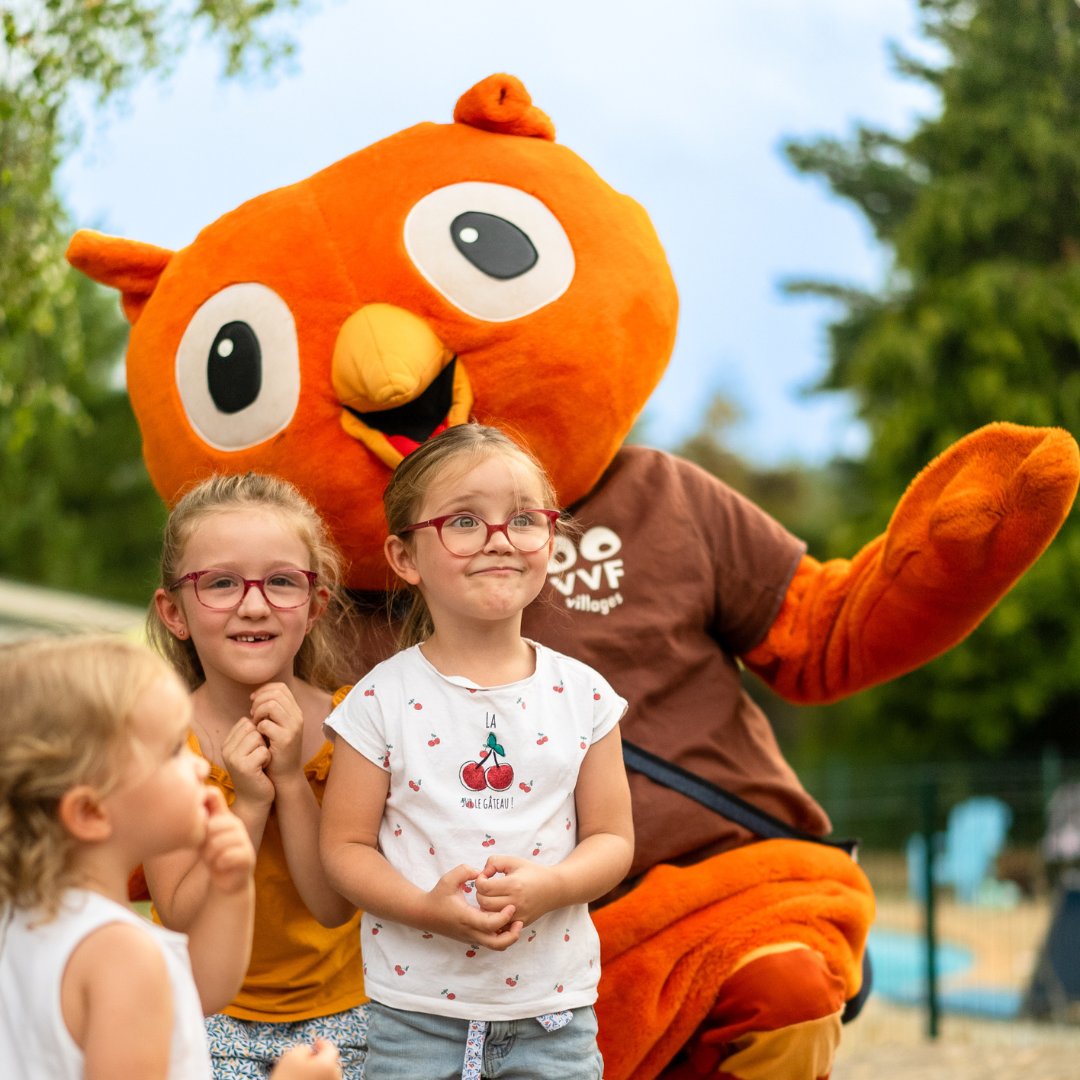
[[588, 575]]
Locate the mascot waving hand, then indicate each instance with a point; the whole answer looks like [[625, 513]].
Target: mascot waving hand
[[479, 269]]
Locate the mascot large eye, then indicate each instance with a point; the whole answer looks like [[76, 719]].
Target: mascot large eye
[[238, 367], [493, 245], [495, 252]]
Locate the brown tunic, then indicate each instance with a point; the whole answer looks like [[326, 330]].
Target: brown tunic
[[673, 576]]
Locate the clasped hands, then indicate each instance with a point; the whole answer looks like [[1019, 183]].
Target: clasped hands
[[266, 746], [510, 892]]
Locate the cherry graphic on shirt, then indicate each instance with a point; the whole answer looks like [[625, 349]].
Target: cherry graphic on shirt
[[525, 787], [434, 740], [448, 994], [498, 775], [541, 738], [471, 774], [511, 980], [416, 704]]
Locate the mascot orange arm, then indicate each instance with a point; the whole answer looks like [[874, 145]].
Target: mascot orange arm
[[967, 528], [675, 950]]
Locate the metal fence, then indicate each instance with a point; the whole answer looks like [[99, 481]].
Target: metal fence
[[978, 914]]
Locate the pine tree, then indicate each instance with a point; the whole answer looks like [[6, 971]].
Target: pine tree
[[78, 508], [978, 320]]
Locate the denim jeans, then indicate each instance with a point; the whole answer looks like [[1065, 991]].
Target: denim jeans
[[419, 1046]]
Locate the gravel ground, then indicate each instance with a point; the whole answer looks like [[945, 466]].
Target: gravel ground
[[889, 1041]]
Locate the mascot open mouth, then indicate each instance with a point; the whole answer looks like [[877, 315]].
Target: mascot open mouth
[[407, 426]]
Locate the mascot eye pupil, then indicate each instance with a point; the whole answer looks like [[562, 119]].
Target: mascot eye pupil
[[493, 245], [234, 367]]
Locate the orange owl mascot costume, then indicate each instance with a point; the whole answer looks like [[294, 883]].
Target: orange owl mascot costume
[[478, 268]]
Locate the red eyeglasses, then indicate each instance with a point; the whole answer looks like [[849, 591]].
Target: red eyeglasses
[[467, 534], [222, 590]]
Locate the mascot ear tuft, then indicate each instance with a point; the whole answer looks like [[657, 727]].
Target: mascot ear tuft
[[500, 103], [128, 265]]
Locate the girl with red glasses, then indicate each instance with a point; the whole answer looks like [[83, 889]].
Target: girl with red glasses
[[250, 613], [478, 799]]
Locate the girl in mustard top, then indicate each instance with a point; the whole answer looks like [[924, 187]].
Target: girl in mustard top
[[249, 612]]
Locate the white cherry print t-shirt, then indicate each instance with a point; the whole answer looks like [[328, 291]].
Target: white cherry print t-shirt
[[479, 771]]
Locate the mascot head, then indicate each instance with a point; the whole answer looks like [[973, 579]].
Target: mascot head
[[323, 330]]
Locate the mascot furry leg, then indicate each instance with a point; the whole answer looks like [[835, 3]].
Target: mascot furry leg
[[744, 960]]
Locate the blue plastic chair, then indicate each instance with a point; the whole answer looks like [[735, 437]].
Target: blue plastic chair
[[974, 837], [963, 855]]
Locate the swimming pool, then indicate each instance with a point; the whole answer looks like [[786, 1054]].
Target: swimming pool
[[899, 959]]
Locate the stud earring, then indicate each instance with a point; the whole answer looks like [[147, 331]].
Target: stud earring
[[181, 633]]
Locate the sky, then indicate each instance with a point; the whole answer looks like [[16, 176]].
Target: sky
[[682, 105]]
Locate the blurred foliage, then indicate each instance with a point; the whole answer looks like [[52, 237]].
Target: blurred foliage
[[80, 513], [978, 320], [807, 500], [79, 509]]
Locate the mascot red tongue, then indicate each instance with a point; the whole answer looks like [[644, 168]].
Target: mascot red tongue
[[478, 268]]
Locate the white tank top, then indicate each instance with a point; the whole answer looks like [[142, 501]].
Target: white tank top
[[34, 1041]]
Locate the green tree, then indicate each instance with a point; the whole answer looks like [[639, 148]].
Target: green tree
[[978, 320], [808, 500], [80, 512], [64, 424]]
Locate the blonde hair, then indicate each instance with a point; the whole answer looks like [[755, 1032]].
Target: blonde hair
[[326, 657], [66, 708], [461, 446]]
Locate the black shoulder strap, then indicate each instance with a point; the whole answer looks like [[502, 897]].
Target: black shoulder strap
[[723, 802]]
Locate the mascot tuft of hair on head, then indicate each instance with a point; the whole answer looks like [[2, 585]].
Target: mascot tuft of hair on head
[[478, 269]]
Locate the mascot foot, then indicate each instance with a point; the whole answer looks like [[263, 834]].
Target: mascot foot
[[776, 1018]]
